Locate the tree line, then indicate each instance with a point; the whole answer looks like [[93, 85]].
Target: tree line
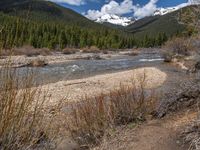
[[16, 32]]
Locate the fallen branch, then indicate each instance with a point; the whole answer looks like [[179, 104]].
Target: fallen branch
[[75, 83]]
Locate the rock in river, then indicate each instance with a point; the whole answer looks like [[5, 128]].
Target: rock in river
[[37, 63]]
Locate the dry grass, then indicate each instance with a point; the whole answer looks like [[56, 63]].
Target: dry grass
[[178, 48], [24, 123], [25, 50], [68, 51], [91, 118], [191, 134], [92, 49]]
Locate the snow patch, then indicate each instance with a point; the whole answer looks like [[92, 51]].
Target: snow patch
[[114, 19], [164, 11]]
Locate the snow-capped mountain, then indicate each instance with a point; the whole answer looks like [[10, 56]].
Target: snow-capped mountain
[[164, 11], [125, 21], [114, 19]]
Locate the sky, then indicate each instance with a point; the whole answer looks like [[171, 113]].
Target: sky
[[93, 9]]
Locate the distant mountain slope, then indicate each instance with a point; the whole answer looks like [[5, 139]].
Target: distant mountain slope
[[153, 25], [41, 23], [42, 10]]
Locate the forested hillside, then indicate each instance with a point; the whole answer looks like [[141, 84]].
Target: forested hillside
[[17, 32], [45, 24], [41, 10], [152, 25]]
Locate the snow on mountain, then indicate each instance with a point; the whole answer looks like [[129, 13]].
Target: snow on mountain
[[114, 19], [163, 11], [125, 21]]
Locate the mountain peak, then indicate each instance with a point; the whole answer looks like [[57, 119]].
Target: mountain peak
[[163, 11], [114, 19], [125, 21]]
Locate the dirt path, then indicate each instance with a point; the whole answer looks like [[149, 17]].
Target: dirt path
[[153, 135]]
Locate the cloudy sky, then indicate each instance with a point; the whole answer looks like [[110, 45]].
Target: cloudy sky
[[137, 8]]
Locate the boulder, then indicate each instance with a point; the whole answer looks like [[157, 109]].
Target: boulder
[[37, 63], [168, 58], [197, 66]]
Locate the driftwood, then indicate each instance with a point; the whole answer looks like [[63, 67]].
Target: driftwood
[[75, 83]]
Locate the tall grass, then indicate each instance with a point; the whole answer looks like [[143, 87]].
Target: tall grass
[[90, 118], [24, 123]]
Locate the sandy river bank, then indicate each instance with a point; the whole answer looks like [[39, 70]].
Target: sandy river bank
[[74, 90]]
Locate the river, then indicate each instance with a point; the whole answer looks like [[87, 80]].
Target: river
[[82, 68]]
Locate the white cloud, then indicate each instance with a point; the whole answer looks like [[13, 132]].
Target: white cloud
[[122, 8], [112, 7], [70, 2], [146, 10]]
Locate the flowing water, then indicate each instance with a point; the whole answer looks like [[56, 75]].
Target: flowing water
[[84, 68]]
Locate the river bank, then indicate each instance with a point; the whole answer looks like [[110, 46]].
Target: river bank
[[75, 90], [69, 78], [18, 61], [75, 75]]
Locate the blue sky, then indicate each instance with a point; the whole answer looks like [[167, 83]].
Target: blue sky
[[138, 8]]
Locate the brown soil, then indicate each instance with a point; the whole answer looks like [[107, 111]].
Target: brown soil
[[154, 135]]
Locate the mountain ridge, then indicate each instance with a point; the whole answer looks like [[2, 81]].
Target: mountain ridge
[[168, 23], [45, 24], [126, 21], [42, 10]]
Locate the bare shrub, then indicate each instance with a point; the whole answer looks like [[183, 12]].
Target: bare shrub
[[105, 52], [26, 50], [168, 56], [37, 63], [92, 49], [186, 96], [24, 123], [179, 46], [90, 118], [68, 51], [130, 105], [191, 135]]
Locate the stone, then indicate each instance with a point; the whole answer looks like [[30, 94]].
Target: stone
[[37, 63], [197, 66]]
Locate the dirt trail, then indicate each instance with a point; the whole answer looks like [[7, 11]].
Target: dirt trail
[[154, 135]]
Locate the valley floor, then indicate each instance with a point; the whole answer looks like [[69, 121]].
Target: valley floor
[[157, 134]]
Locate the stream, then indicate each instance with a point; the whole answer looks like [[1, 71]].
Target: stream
[[83, 68]]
